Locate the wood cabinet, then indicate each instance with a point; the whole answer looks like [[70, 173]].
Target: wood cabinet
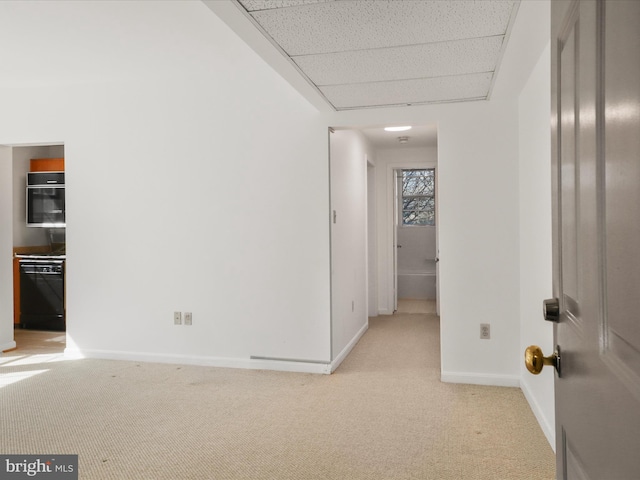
[[46, 165]]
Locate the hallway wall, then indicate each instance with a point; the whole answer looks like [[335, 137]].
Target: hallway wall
[[6, 250], [349, 152], [535, 237]]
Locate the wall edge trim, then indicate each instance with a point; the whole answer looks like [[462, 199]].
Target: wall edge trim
[[343, 354], [219, 362]]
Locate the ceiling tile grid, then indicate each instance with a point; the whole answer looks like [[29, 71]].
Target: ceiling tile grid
[[253, 5], [414, 61], [389, 52], [408, 92]]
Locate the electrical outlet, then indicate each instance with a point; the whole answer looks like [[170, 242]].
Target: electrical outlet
[[485, 331], [187, 318], [177, 318]]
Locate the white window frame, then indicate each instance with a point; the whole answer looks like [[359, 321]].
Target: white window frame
[[401, 198]]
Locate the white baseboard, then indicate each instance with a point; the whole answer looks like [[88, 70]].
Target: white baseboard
[[345, 351], [548, 429], [283, 365], [481, 379], [222, 362]]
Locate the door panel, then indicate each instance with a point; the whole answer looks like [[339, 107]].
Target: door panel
[[569, 175], [575, 468], [621, 337], [596, 159]]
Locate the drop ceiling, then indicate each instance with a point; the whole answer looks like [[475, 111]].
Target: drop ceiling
[[380, 53]]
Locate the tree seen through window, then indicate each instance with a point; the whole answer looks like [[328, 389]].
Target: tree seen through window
[[418, 197]]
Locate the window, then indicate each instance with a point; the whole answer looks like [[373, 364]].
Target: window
[[418, 201]]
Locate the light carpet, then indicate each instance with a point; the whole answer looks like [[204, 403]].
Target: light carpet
[[383, 414]]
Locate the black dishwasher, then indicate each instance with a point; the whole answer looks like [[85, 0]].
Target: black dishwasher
[[42, 294]]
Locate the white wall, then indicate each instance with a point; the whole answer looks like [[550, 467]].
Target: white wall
[[6, 252], [349, 153], [372, 242], [478, 241], [197, 180], [535, 237]]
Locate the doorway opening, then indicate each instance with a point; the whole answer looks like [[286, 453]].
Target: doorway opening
[[38, 241], [415, 238], [363, 216]]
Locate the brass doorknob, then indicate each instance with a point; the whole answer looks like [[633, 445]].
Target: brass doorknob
[[535, 360]]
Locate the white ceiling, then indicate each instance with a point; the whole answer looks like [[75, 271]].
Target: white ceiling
[[376, 53], [419, 136]]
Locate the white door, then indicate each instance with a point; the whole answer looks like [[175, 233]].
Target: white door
[[596, 223]]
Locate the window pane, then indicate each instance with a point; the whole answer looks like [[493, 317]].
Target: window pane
[[418, 203], [414, 217], [418, 197], [418, 182]]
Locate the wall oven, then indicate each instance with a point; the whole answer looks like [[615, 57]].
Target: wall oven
[[45, 199]]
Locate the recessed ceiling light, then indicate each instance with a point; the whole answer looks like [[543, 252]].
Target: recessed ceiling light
[[397, 129]]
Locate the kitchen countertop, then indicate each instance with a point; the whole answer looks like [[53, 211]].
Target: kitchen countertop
[[40, 253]]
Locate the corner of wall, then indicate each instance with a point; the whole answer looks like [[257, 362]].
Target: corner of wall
[[535, 234], [6, 250], [546, 424]]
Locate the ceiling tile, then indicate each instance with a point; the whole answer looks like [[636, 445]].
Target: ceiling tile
[[411, 62], [361, 24], [404, 92]]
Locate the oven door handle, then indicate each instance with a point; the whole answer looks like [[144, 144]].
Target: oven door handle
[[40, 262]]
